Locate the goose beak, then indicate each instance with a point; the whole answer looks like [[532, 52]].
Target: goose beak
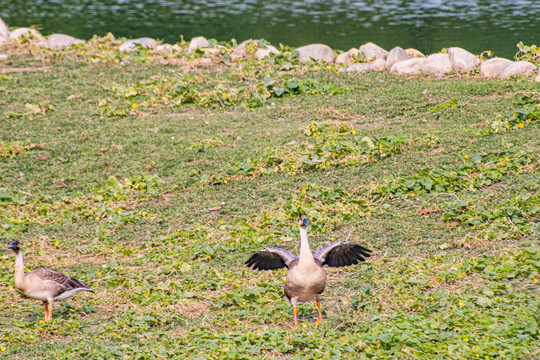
[[305, 222]]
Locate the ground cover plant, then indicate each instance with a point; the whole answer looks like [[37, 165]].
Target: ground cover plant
[[153, 176]]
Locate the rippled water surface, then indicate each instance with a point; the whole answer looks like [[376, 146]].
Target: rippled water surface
[[428, 25]]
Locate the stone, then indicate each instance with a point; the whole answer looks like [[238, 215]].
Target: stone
[[408, 67], [2, 41], [211, 51], [348, 57], [379, 65], [241, 51], [437, 65], [56, 41], [537, 78], [40, 43], [3, 57], [4, 30], [215, 50], [26, 33], [261, 53], [360, 67], [197, 43], [493, 68], [462, 61], [168, 47], [413, 53], [395, 55], [204, 62], [519, 68], [316, 52], [164, 47], [131, 45], [372, 51]]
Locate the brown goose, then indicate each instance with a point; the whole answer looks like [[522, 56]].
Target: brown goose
[[43, 284], [306, 278]]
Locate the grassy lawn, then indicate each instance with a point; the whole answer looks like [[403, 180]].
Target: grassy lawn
[[153, 178]]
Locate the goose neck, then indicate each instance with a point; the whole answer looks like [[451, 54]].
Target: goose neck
[[19, 266], [305, 252]]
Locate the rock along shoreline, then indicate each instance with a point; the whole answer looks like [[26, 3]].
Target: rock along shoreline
[[367, 57]]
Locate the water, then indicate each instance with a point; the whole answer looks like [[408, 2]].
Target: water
[[428, 25]]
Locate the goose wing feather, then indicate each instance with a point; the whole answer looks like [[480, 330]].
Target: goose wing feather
[[66, 282], [341, 253], [271, 258]]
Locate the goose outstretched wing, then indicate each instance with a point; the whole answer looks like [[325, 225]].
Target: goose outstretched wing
[[271, 258], [341, 253]]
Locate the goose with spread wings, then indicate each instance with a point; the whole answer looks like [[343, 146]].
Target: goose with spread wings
[[43, 284], [306, 279]]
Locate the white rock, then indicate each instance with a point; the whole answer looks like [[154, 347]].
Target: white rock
[[176, 47], [413, 53], [240, 52], [3, 57], [2, 41], [395, 55], [360, 67], [520, 68], [56, 41], [4, 30], [164, 47], [408, 67], [261, 53], [437, 65], [493, 68], [537, 78], [40, 43], [315, 52], [26, 33], [214, 50], [379, 65], [372, 51], [197, 43], [462, 61], [131, 45], [348, 57]]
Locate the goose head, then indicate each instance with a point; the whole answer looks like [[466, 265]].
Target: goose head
[[303, 223], [15, 246]]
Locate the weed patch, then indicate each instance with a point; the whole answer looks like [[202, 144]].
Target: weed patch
[[478, 170], [328, 145], [515, 217], [528, 112]]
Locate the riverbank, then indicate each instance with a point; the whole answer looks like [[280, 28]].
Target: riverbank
[[368, 57], [152, 174]]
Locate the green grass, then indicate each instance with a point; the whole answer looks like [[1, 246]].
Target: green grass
[[157, 205]]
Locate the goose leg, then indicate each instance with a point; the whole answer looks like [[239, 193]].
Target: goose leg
[[295, 312], [319, 319], [50, 307], [46, 311]]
